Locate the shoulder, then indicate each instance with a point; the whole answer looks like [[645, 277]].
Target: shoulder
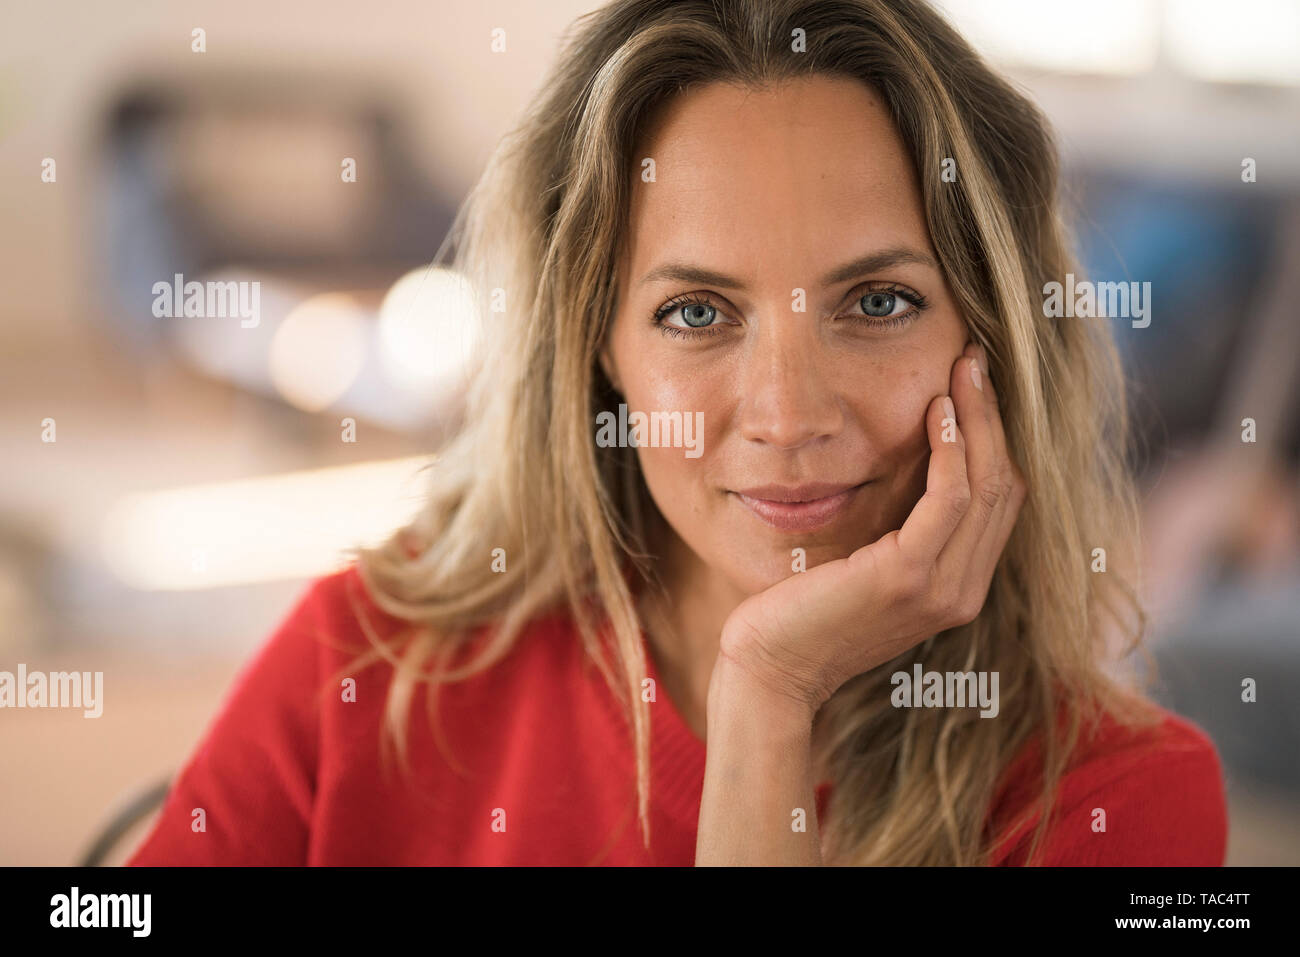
[[339, 606], [1151, 794], [254, 772], [490, 679], [323, 630], [1114, 750], [336, 618], [340, 615]]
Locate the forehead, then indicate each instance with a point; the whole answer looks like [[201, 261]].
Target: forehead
[[785, 178]]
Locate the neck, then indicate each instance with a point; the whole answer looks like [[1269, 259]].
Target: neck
[[683, 623]]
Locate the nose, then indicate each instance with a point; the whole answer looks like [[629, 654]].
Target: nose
[[786, 400]]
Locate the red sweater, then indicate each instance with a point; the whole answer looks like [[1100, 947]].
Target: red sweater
[[545, 770]]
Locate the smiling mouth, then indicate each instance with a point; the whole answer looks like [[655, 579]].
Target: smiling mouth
[[798, 508]]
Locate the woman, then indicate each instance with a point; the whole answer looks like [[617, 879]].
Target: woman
[[771, 426]]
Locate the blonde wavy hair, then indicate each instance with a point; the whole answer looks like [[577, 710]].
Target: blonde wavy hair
[[544, 225]]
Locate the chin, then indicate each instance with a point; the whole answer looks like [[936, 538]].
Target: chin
[[755, 578], [771, 562]]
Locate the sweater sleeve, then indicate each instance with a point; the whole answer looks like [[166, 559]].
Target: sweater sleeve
[[1157, 804], [245, 794]]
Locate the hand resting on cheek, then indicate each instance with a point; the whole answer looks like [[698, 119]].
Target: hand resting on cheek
[[809, 633]]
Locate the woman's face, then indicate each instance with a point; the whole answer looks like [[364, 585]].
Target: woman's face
[[801, 310]]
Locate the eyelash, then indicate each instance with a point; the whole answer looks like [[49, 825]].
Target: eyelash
[[918, 301]]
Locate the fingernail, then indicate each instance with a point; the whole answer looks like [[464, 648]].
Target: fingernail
[[975, 375], [948, 410], [982, 354]]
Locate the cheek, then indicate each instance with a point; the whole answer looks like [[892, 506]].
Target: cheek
[[888, 400], [674, 483], [891, 415], [654, 381], [660, 383], [674, 474], [895, 421], [664, 387]]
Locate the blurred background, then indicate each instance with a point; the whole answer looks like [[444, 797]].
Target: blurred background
[[170, 485]]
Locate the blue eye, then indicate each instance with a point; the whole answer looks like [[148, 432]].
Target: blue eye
[[695, 315], [698, 314], [890, 307], [878, 303], [691, 315]]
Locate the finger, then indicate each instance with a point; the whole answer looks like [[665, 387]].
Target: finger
[[988, 552], [1011, 513], [990, 396], [1012, 475], [970, 564], [947, 489], [984, 467]]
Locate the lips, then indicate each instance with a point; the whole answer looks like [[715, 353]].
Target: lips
[[798, 508]]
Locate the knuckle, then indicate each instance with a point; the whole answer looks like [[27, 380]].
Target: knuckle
[[991, 494], [934, 613], [952, 607], [958, 498], [913, 582], [739, 640], [964, 607], [1019, 487]]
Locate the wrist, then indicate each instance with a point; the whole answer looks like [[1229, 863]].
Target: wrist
[[735, 686]]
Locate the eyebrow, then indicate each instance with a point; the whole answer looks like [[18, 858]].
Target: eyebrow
[[872, 262]]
